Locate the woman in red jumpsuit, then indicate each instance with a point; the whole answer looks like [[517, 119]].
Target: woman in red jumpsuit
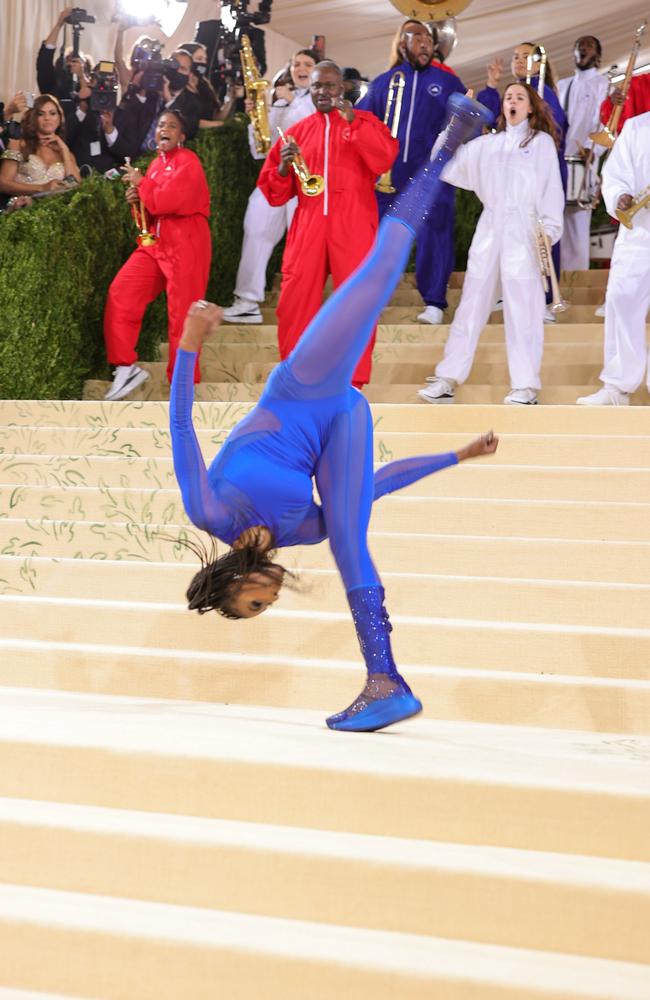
[[175, 195]]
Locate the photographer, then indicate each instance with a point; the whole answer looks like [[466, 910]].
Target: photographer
[[156, 84], [213, 111], [221, 39], [64, 77], [95, 138]]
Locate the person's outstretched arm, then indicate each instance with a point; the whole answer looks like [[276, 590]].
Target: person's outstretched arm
[[397, 475]]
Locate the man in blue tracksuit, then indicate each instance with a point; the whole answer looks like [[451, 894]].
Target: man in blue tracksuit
[[424, 100]]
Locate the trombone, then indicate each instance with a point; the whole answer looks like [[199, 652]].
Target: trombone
[[310, 184], [625, 215], [544, 256], [607, 136], [394, 99], [538, 55]]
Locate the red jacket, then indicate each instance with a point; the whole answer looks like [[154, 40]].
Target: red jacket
[[176, 196], [637, 103], [350, 156]]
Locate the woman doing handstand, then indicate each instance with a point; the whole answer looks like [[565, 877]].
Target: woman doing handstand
[[310, 422]]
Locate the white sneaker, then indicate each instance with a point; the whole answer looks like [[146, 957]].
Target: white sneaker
[[439, 390], [126, 378], [498, 306], [549, 315], [431, 315], [600, 311], [242, 311], [521, 397], [609, 395]]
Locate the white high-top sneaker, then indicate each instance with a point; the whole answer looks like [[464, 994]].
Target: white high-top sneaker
[[243, 312], [609, 395]]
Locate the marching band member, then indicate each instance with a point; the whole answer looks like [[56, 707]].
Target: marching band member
[[626, 174], [581, 96], [332, 232], [264, 224], [423, 103], [490, 98], [515, 174], [174, 191]]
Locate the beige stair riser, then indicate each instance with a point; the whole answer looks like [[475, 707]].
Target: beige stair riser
[[573, 451], [411, 416], [593, 278], [439, 596], [578, 650], [409, 296], [550, 559], [265, 879], [502, 518], [568, 819], [498, 697]]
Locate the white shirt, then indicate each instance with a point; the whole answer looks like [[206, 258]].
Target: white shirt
[[627, 171], [512, 180], [581, 96], [283, 115]]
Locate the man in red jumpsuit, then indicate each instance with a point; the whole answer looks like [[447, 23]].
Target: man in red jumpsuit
[[332, 232], [175, 197]]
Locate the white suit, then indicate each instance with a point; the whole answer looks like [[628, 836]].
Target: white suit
[[627, 171], [264, 225], [581, 96], [517, 186]]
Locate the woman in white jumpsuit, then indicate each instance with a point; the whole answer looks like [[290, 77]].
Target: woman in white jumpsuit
[[515, 173], [265, 225], [626, 174]]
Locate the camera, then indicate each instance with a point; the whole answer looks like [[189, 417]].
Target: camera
[[10, 130], [104, 80], [148, 57], [79, 16]]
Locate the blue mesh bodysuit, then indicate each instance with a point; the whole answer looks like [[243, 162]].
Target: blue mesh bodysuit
[[310, 424]]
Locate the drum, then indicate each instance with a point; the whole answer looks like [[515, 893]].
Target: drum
[[576, 186]]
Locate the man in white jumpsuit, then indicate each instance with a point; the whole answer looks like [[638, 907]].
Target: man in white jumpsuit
[[625, 175], [265, 225], [581, 96]]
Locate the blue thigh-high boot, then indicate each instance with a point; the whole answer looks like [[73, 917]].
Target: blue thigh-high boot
[[386, 698]]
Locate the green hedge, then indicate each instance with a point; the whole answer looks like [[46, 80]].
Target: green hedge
[[58, 259]]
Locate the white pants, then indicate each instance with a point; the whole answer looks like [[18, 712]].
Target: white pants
[[523, 308], [626, 307], [264, 227], [575, 239]]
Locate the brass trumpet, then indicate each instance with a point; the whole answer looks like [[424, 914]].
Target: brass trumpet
[[607, 137], [394, 99], [625, 215], [538, 55], [544, 256], [311, 185], [145, 237]]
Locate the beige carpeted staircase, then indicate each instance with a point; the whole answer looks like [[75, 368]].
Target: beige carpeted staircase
[[176, 822]]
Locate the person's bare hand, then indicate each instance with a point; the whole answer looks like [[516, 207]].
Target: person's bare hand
[[131, 195], [283, 92], [106, 118], [624, 202], [487, 444], [54, 186], [202, 319], [132, 176], [617, 97], [494, 72], [17, 105], [249, 105], [65, 13], [288, 152], [345, 109]]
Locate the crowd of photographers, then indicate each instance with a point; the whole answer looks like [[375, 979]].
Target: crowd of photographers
[[108, 109]]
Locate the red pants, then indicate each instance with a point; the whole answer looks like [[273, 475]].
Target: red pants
[[142, 278], [301, 296]]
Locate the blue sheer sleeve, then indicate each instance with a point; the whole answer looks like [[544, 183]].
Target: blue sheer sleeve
[[398, 475], [202, 506]]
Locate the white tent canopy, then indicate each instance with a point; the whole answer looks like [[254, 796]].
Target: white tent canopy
[[358, 34]]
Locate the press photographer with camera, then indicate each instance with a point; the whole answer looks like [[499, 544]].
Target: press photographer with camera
[[64, 77], [221, 38], [213, 111], [156, 84], [95, 137]]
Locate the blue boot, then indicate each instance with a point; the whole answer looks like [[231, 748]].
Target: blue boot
[[386, 698]]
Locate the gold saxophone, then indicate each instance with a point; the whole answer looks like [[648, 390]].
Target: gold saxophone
[[310, 184], [607, 137], [543, 246], [256, 89], [641, 201]]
